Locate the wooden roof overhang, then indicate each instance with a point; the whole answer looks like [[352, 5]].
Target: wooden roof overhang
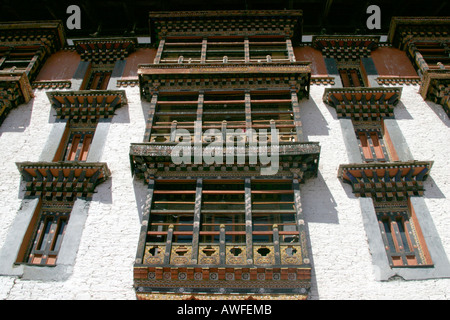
[[15, 89], [184, 77], [403, 30], [42, 38], [363, 103], [345, 47], [386, 181], [86, 105], [407, 32], [49, 34], [266, 23], [62, 180], [296, 160], [105, 50]]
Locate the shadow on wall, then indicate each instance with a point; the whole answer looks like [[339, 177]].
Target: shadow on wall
[[440, 112], [145, 105], [432, 190], [318, 203], [140, 194], [401, 113], [313, 122], [18, 118], [122, 115], [103, 192]]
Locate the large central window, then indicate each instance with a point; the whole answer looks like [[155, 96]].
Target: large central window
[[223, 110]]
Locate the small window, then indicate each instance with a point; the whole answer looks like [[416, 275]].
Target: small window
[[78, 144], [172, 208], [20, 57], [351, 77], [273, 203], [372, 146], [48, 234], [98, 80], [371, 141], [401, 235]]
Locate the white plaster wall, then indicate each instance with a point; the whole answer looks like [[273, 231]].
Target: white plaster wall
[[103, 268], [342, 266]]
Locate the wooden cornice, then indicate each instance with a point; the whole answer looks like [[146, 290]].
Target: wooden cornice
[[106, 50], [50, 34], [86, 105], [404, 29], [174, 77], [15, 89], [226, 23], [386, 181], [62, 180], [296, 159], [345, 47], [363, 103]]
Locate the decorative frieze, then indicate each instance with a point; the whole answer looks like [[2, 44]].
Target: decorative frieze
[[397, 80], [52, 84]]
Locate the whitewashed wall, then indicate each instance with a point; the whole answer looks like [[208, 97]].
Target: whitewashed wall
[[342, 266]]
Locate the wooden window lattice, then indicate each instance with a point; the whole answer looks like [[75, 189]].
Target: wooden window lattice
[[371, 144], [78, 145], [48, 236], [400, 238], [351, 77]]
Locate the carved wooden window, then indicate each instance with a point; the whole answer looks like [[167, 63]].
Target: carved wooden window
[[234, 227], [434, 52], [273, 204], [48, 233], [370, 137], [223, 203], [224, 110], [268, 49], [182, 50], [98, 80], [174, 111], [20, 57], [273, 110], [225, 50], [78, 143], [401, 235], [351, 77], [172, 210], [372, 145]]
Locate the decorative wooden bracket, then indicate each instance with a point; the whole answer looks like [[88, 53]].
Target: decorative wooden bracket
[[62, 180], [386, 181]]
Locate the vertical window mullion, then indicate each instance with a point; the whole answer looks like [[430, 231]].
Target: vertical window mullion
[[73, 147], [79, 147], [246, 50], [413, 245], [203, 52], [345, 78], [59, 233]]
